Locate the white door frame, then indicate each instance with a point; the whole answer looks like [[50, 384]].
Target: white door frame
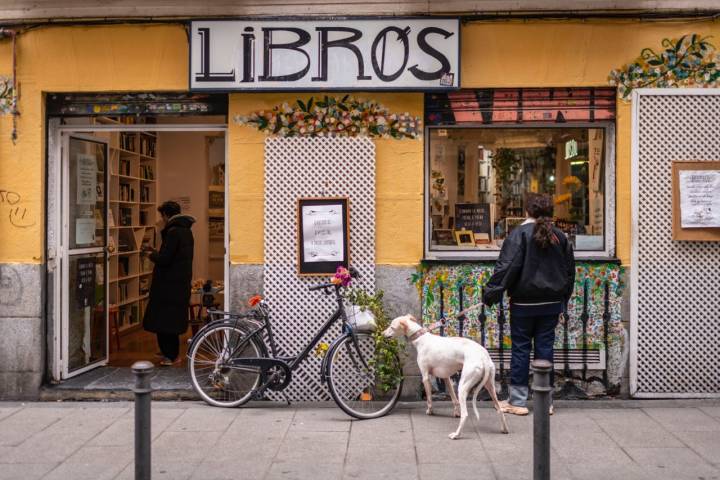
[[56, 256], [634, 254]]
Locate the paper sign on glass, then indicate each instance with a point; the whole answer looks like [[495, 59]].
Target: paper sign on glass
[[84, 231], [323, 233], [86, 179], [699, 198]]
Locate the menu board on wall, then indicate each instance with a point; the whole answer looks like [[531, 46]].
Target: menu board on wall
[[696, 200], [473, 216], [323, 235]]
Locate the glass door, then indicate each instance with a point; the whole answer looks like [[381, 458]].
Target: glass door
[[85, 258]]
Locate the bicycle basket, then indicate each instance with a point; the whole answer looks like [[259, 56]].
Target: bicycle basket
[[359, 320]]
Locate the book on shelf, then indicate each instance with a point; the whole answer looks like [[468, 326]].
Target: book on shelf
[[145, 194], [111, 218], [124, 167], [125, 216], [147, 145], [127, 142], [99, 224], [146, 172], [123, 266], [126, 240]]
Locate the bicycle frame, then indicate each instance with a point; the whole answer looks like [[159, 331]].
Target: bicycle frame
[[294, 362]]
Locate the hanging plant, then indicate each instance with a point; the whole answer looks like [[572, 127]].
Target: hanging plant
[[506, 165], [388, 357], [7, 96], [333, 117], [690, 61]]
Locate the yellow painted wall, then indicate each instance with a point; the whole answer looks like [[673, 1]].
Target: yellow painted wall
[[147, 58], [399, 182]]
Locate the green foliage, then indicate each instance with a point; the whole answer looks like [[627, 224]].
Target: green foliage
[[387, 362]]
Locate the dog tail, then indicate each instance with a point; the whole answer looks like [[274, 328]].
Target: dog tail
[[486, 377]]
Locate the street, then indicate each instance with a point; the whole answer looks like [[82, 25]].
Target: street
[[592, 439]]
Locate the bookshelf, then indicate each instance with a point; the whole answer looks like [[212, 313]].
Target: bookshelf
[[132, 214]]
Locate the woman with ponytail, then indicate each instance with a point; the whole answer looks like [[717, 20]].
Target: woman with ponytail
[[537, 270]]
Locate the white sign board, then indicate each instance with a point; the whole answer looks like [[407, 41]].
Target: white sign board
[[85, 231], [86, 179], [323, 233], [359, 54], [699, 198]]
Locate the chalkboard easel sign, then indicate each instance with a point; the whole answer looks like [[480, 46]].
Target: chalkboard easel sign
[[323, 235], [474, 217]]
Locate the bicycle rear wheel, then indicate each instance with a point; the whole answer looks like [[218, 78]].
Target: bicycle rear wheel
[[354, 386], [212, 378]]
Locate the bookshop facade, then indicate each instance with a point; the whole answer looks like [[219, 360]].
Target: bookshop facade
[[432, 129]]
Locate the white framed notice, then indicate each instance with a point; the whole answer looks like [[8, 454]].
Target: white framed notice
[[85, 231], [323, 235], [696, 200]]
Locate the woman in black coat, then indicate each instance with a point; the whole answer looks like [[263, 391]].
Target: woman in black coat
[[537, 269], [167, 310]]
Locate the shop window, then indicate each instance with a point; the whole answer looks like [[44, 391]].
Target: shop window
[[479, 177]]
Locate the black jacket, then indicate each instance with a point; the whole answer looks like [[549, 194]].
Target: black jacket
[[531, 274], [167, 310]]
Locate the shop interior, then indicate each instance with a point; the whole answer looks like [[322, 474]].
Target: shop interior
[[146, 168], [478, 179]]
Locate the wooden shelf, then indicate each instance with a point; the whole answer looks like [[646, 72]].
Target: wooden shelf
[[128, 301]]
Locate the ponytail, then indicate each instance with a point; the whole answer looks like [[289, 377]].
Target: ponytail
[[540, 207], [543, 234]]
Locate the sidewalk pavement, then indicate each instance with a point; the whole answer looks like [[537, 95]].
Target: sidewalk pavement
[[590, 440]]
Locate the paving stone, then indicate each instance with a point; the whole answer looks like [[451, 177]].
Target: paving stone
[[590, 447], [7, 411], [304, 471], [367, 450], [94, 462], [705, 444], [445, 450], [656, 437], [122, 433], [184, 447], [322, 420], [519, 471], [378, 471], [25, 471], [456, 471], [673, 462], [61, 439], [223, 470], [712, 411], [609, 471], [26, 423], [684, 419], [313, 447], [163, 471], [208, 419]]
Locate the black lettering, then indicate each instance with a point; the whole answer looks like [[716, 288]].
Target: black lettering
[[346, 42], [205, 74], [437, 55], [248, 54], [268, 47], [380, 67]]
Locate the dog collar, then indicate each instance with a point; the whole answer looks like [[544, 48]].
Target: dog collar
[[418, 334]]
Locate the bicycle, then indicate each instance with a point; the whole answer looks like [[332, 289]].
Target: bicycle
[[230, 363]]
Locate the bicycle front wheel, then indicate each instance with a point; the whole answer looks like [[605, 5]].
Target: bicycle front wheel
[[218, 383], [353, 382]]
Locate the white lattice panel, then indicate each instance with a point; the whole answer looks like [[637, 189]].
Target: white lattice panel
[[677, 282], [313, 167]]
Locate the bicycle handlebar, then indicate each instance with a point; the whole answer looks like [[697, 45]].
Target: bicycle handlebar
[[321, 286]]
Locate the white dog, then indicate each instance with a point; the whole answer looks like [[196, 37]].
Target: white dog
[[442, 357]]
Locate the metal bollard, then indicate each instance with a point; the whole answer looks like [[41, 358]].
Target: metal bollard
[[142, 370], [541, 419]]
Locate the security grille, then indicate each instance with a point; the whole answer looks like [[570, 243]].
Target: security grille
[[313, 167], [677, 283]]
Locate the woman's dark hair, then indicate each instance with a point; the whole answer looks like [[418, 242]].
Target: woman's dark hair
[[540, 207], [169, 208]]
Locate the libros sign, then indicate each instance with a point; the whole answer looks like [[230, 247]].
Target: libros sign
[[367, 54]]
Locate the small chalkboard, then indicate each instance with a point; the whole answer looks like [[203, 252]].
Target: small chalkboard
[[473, 216]]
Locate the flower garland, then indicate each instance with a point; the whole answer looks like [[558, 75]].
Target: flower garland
[[333, 117], [690, 61]]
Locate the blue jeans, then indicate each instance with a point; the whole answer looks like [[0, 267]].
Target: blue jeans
[[524, 331]]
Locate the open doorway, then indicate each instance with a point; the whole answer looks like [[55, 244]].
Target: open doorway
[[132, 165]]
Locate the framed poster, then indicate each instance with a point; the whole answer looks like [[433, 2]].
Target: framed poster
[[696, 201], [323, 235]]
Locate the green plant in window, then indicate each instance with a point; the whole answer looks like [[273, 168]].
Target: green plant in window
[[506, 165]]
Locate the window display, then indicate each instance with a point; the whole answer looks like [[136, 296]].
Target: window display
[[478, 179]]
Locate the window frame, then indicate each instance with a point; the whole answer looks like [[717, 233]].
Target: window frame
[[609, 194]]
